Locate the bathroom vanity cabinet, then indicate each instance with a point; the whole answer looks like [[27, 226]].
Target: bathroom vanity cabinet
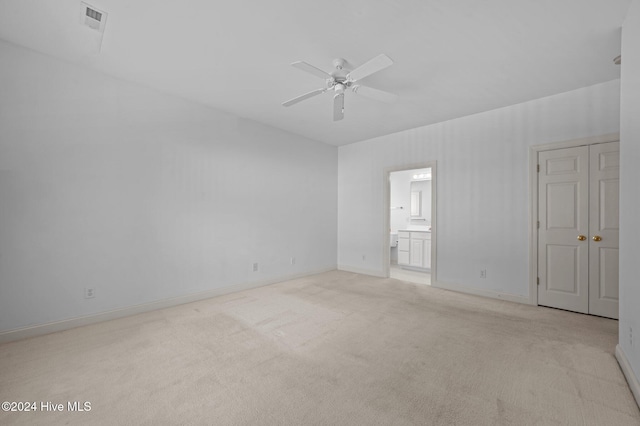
[[414, 249]]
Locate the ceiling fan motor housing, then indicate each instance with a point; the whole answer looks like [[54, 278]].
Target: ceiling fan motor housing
[[339, 63]]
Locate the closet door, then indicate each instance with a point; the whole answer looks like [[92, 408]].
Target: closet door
[[563, 245], [604, 188], [578, 201]]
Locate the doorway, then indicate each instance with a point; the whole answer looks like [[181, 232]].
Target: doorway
[[410, 223], [577, 202]]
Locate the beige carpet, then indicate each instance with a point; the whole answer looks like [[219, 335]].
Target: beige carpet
[[334, 348]]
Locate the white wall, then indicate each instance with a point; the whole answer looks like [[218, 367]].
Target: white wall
[[482, 185], [629, 193], [144, 196]]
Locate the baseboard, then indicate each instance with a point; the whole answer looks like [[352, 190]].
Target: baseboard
[[66, 324], [632, 380], [481, 292], [362, 271], [447, 286], [415, 269]]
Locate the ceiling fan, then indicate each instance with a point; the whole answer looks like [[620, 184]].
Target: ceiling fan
[[342, 79]]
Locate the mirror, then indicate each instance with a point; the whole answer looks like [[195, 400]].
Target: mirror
[[416, 203]]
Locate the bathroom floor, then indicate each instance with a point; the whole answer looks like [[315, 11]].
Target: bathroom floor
[[411, 276]]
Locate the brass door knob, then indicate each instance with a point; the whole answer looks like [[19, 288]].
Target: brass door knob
[[581, 238], [597, 238]]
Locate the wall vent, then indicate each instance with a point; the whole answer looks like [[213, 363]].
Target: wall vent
[[92, 17]]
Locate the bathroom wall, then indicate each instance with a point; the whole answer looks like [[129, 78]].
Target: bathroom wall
[[400, 197], [401, 184]]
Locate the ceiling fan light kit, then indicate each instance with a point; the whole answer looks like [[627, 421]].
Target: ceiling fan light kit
[[341, 79]]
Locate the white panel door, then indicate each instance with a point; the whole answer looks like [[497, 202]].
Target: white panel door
[[563, 245], [604, 188]]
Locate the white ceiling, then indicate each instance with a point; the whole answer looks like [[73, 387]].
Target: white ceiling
[[452, 58]]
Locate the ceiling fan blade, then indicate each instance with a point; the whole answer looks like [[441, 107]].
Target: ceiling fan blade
[[376, 64], [338, 107], [375, 94], [301, 65], [303, 97]]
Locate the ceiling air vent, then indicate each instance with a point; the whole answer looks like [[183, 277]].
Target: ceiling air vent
[[92, 17]]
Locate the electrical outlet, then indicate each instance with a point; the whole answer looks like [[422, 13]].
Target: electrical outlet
[[483, 273], [293, 260], [255, 267], [89, 293]]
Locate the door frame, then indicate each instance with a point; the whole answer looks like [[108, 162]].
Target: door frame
[[533, 194], [386, 222]]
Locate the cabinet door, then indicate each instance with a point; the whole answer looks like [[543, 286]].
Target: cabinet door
[[415, 254], [426, 260]]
